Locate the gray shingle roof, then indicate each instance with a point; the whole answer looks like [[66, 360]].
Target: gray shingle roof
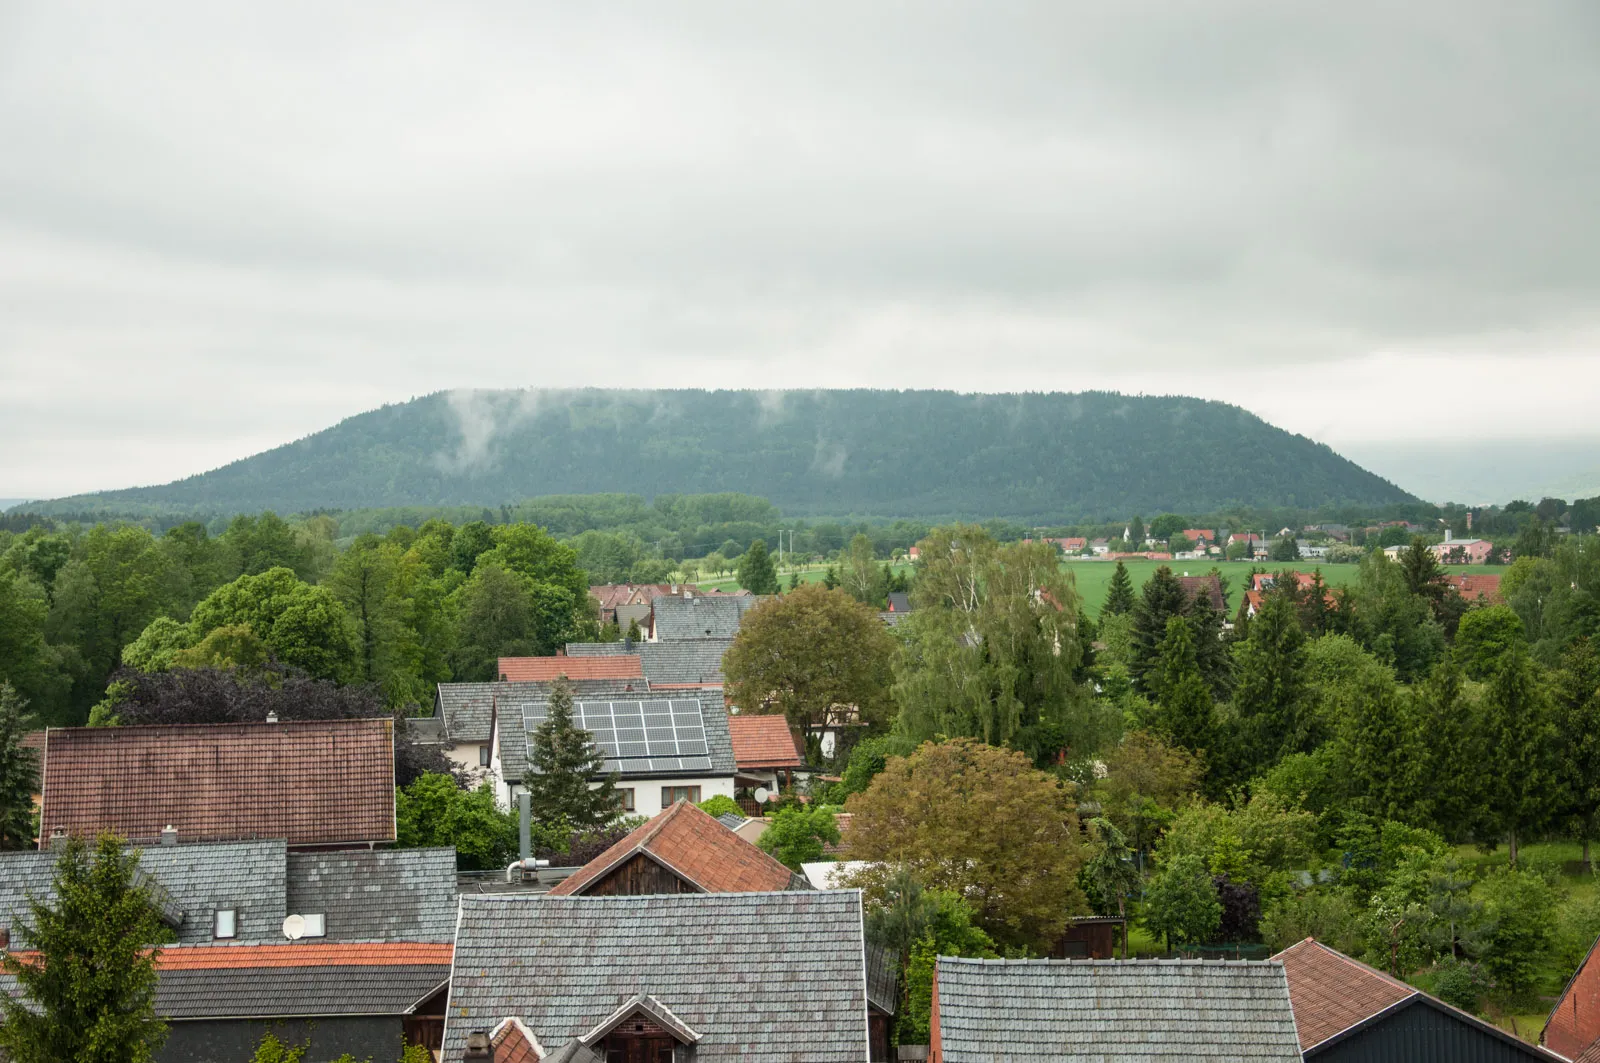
[[514, 739], [377, 894], [467, 709], [288, 991], [601, 649], [700, 617], [689, 661], [883, 978], [1132, 1011], [199, 879], [562, 964]]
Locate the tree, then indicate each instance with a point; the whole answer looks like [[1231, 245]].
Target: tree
[[720, 805], [19, 773], [1483, 637], [1180, 544], [27, 661], [814, 655], [919, 925], [1518, 762], [1519, 907], [366, 579], [1161, 599], [1378, 746], [1285, 549], [797, 835], [1448, 734], [1135, 534], [1181, 902], [756, 573], [89, 995], [562, 762], [1018, 873], [1184, 706], [1110, 868], [435, 811], [302, 625], [1119, 593], [1271, 690], [859, 574], [1577, 722]]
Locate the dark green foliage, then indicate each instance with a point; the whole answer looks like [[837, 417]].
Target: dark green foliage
[[867, 759], [1161, 599], [1285, 549], [1270, 695], [798, 834], [756, 573], [19, 773], [1183, 701], [1035, 456], [435, 811], [918, 925], [562, 762], [1181, 902], [1519, 762], [1449, 743], [1483, 637], [92, 998], [1119, 594], [1519, 906]]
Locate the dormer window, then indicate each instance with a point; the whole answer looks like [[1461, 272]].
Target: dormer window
[[225, 924]]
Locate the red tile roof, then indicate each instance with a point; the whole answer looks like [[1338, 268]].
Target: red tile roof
[[308, 782], [763, 742], [696, 847], [33, 740], [303, 954], [1471, 587], [842, 821], [549, 669], [1330, 992], [1210, 586], [1573, 1028], [513, 1043]]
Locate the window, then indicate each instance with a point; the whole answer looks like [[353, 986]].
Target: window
[[625, 798], [314, 926], [483, 756], [224, 924], [671, 795]]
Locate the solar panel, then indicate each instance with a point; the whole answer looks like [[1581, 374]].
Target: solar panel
[[662, 735]]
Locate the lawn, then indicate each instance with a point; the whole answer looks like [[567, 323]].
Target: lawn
[[809, 574]]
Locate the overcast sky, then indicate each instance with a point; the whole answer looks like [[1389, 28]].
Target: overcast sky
[[225, 226]]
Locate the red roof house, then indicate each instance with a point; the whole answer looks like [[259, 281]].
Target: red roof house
[[763, 742], [1573, 1028], [1474, 587], [1209, 586], [310, 782], [549, 669], [683, 850]]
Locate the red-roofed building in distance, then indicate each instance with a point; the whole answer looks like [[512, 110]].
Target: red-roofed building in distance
[[1476, 587], [549, 669], [765, 751]]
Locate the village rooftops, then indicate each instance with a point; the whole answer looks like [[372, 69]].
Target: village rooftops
[[763, 742], [698, 616], [549, 669], [1209, 587], [697, 850], [322, 782], [566, 966], [695, 743], [1132, 1011], [691, 662]]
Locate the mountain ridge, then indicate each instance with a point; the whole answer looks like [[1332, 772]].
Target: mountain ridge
[[1027, 455]]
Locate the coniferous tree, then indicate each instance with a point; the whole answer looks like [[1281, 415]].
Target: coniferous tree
[[1447, 737], [1519, 739], [1184, 705], [562, 763], [1135, 535], [1270, 694], [90, 994], [19, 773], [1211, 652], [1577, 722], [756, 573], [1162, 598], [1376, 740], [1119, 594]]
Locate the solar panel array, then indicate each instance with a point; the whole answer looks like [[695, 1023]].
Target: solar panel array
[[640, 736]]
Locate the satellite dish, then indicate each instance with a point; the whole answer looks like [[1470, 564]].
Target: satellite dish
[[763, 795], [294, 927]]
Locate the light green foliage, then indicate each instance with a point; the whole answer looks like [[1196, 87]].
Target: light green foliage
[[303, 626], [1519, 908], [1181, 902], [1484, 637], [720, 805], [26, 660], [756, 573], [19, 772], [1330, 917], [859, 575], [92, 998], [1258, 842], [1146, 782], [434, 811], [272, 1050], [157, 645], [1312, 781], [563, 762], [797, 835]]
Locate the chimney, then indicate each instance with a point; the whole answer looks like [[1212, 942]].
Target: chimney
[[272, 715], [58, 837], [525, 827], [479, 1048], [169, 835], [1448, 535]]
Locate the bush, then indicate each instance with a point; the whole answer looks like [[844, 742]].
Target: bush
[[720, 805], [1460, 984], [1328, 917], [796, 835]]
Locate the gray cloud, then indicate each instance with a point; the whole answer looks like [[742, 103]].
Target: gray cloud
[[222, 227]]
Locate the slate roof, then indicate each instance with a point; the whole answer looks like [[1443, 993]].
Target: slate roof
[[700, 616], [514, 739], [899, 602], [548, 669], [300, 979], [467, 710], [686, 662], [310, 782], [197, 879], [763, 742], [696, 847], [601, 649], [563, 964], [883, 979], [377, 894], [892, 619], [1133, 1011]]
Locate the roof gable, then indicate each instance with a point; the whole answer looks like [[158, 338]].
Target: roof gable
[[309, 782], [1134, 1010], [699, 616], [763, 742], [693, 846], [563, 964]]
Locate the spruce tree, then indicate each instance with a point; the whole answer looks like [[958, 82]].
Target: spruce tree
[[19, 773], [1519, 749], [1577, 720], [1162, 598], [1447, 733], [1135, 535], [756, 573], [562, 763], [1270, 694], [1184, 705], [1119, 595], [90, 994]]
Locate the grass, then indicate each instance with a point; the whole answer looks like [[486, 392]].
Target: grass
[[809, 574]]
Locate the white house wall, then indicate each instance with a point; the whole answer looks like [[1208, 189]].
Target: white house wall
[[647, 791]]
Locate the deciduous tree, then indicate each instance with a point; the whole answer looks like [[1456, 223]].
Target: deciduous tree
[[1181, 902], [798, 835], [19, 773]]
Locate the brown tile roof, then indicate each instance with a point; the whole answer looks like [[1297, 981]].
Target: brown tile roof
[[308, 782], [1471, 587], [1573, 1028], [1331, 992], [1210, 586], [763, 742], [303, 954], [547, 669], [33, 740], [513, 1043], [842, 821], [695, 846]]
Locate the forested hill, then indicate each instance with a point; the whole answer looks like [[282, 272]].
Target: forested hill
[[894, 453]]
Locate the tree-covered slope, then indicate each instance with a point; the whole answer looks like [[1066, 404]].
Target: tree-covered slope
[[904, 453]]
